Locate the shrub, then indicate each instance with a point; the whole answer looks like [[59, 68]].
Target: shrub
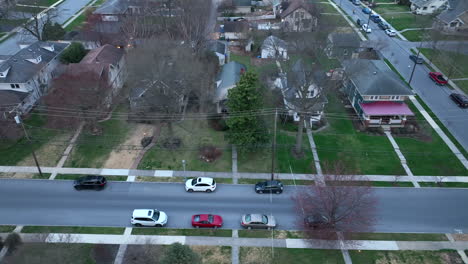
[[180, 254], [218, 124], [73, 54], [12, 241]]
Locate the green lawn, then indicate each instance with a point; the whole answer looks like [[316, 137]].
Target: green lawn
[[326, 8], [285, 182], [11, 152], [414, 35], [182, 232], [177, 179], [404, 257], [403, 21], [429, 157], [452, 64], [382, 9], [76, 24], [91, 151], [281, 234], [6, 228], [399, 236], [38, 2], [76, 176], [267, 255], [392, 184], [445, 184], [361, 153], [74, 230], [246, 60], [99, 2], [193, 134], [462, 85]]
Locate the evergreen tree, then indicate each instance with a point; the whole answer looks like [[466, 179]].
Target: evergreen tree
[[73, 54], [52, 31], [246, 130]]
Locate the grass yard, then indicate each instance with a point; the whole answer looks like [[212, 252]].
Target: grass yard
[[285, 182], [405, 257], [280, 234], [382, 9], [6, 228], [361, 153], [91, 151], [39, 253], [452, 64], [38, 2], [403, 21], [266, 255], [399, 236], [462, 85], [445, 184], [429, 157], [414, 35], [74, 230], [193, 135], [326, 8], [246, 60], [392, 184], [182, 232], [177, 179], [213, 254], [76, 24]]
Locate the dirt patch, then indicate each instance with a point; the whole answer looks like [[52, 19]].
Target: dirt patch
[[104, 254], [48, 156], [460, 237], [419, 257], [213, 255], [124, 159]]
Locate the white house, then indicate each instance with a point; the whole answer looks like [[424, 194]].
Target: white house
[[298, 17], [219, 48], [30, 71], [274, 47], [427, 7]]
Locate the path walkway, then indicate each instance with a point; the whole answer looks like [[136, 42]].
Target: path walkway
[[245, 175], [411, 29], [242, 242]]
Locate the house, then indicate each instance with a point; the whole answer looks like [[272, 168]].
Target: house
[[234, 30], [220, 49], [274, 47], [376, 93], [302, 92], [227, 79], [116, 10], [342, 45], [298, 17], [28, 73], [427, 7], [455, 18]]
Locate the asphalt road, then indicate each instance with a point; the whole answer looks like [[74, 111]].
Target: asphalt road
[[436, 97], [44, 202]]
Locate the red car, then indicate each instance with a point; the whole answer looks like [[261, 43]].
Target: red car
[[438, 78], [207, 220]]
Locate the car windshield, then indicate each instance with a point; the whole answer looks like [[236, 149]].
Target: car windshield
[[440, 77], [210, 218], [213, 182], [156, 215], [196, 218], [247, 218], [194, 181], [264, 219]]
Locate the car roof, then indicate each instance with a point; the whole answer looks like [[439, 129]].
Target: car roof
[[143, 213], [256, 217], [461, 96], [205, 180]]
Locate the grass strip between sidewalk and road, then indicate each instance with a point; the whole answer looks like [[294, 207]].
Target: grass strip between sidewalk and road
[[398, 236], [182, 232], [76, 176], [6, 228], [74, 230], [445, 184], [176, 179], [285, 182]]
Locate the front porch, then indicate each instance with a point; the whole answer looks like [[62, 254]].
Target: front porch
[[377, 114]]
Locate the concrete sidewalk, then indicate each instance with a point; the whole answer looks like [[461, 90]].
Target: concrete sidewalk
[[244, 175], [242, 242]]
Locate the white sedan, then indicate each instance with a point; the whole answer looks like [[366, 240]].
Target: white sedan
[[200, 184], [390, 32], [366, 28]]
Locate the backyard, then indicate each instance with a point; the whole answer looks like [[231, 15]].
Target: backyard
[[391, 8], [404, 21]]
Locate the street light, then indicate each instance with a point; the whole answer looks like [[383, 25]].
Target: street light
[[19, 122]]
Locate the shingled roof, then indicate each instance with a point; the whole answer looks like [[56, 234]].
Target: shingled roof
[[293, 6], [456, 9]]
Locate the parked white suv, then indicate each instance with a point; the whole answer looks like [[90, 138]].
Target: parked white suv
[[148, 217], [200, 184]]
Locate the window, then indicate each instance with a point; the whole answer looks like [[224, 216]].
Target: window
[[425, 8], [395, 97], [374, 97], [12, 85]]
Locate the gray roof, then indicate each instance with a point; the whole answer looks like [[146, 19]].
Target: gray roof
[[21, 70], [274, 42], [217, 46], [229, 76], [374, 77], [9, 99], [112, 7], [457, 8], [421, 3], [344, 39], [242, 2]]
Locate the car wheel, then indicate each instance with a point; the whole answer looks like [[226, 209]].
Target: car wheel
[[260, 191], [189, 190], [197, 227], [138, 225], [158, 225], [208, 191], [77, 188], [249, 227], [216, 227], [269, 228], [278, 192]]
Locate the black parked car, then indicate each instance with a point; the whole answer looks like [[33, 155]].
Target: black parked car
[[90, 182], [383, 25], [316, 220], [416, 59], [460, 99], [269, 187]]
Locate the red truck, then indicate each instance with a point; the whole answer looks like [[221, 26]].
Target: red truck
[[438, 78]]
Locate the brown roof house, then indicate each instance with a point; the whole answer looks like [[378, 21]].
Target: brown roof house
[[298, 16], [454, 18]]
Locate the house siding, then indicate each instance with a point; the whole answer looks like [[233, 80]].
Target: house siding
[[300, 20]]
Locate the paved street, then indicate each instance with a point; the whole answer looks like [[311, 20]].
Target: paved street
[[65, 10], [43, 202], [436, 97]]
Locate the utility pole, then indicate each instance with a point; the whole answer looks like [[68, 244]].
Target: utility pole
[[414, 66], [19, 122], [273, 148]]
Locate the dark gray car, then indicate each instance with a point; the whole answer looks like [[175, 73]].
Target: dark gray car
[[416, 59]]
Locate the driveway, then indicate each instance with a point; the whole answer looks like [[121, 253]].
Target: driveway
[[436, 97]]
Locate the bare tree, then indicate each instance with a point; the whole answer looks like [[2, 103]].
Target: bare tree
[[38, 21], [5, 8], [339, 205]]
